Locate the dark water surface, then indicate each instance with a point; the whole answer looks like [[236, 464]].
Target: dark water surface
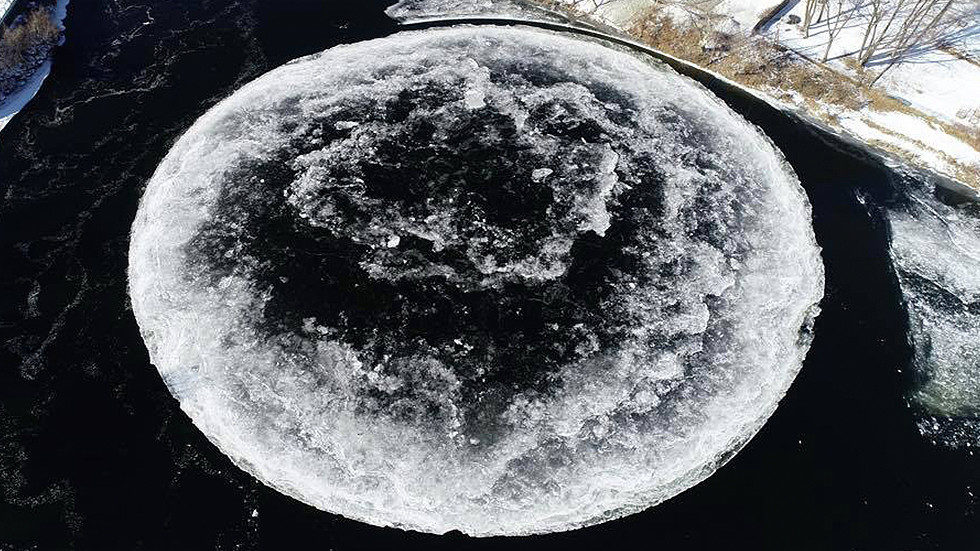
[[95, 453]]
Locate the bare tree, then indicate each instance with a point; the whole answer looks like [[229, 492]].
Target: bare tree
[[917, 30], [839, 15], [878, 12], [809, 11], [585, 7], [903, 25], [593, 6]]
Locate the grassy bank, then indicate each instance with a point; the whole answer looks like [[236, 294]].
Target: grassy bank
[[764, 65], [18, 43], [837, 98]]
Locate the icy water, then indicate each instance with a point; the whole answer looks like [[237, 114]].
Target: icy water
[[97, 455]]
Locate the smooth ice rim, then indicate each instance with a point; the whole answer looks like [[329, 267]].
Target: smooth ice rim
[[183, 324]]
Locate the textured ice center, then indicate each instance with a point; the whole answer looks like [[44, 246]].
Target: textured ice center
[[488, 279], [451, 168]]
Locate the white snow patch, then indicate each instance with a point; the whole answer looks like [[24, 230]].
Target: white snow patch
[[12, 104], [934, 81], [931, 147], [938, 83], [5, 6], [745, 13], [475, 98]]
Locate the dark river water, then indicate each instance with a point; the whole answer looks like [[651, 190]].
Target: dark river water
[[96, 454]]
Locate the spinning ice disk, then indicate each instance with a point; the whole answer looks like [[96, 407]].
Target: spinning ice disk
[[489, 279]]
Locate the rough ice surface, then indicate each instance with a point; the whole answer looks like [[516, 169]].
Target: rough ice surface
[[489, 279], [416, 11], [936, 251]]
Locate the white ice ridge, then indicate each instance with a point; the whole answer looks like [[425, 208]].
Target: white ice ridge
[[936, 250], [697, 328], [416, 11]]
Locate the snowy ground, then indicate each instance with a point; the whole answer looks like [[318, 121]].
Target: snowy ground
[[12, 105], [935, 82], [942, 85], [5, 5], [737, 15]]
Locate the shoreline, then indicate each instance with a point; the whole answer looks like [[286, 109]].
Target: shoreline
[[611, 34], [911, 123], [11, 105]]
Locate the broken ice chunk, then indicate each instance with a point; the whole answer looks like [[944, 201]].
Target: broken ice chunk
[[540, 174]]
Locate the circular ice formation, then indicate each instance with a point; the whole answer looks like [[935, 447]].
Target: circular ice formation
[[488, 279]]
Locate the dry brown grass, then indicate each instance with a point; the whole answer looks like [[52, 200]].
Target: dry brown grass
[[968, 134], [960, 54], [754, 63], [963, 174], [16, 42], [762, 65]]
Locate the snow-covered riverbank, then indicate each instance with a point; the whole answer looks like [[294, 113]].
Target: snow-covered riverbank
[[923, 112], [931, 110], [12, 104]]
